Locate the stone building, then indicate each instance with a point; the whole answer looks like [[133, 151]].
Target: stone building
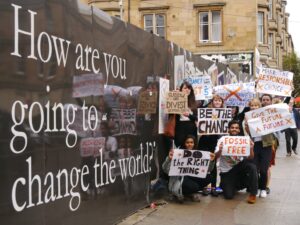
[[224, 30]]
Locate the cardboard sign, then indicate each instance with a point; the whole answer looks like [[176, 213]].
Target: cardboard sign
[[124, 121], [235, 145], [269, 119], [147, 102], [176, 102], [213, 120], [91, 146], [275, 82], [189, 162], [88, 85], [202, 86], [238, 94], [164, 86]]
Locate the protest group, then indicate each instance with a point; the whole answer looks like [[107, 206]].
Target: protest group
[[226, 141]]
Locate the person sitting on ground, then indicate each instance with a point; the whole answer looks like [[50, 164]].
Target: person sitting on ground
[[237, 172], [184, 186]]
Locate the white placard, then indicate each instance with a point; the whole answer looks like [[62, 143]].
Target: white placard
[[189, 162], [269, 119]]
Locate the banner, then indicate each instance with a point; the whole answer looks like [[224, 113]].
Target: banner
[[235, 145], [176, 102], [202, 86], [213, 120], [147, 102], [124, 121], [237, 94], [275, 82], [189, 162], [91, 146], [269, 119], [164, 86], [88, 85]]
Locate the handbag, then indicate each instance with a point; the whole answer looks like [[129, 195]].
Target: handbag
[[170, 126]]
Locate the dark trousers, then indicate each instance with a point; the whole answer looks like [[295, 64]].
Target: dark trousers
[[243, 175], [262, 160], [192, 185], [291, 133]]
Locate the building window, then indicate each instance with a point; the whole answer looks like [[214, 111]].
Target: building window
[[270, 42], [270, 14], [210, 27], [260, 27], [155, 23]]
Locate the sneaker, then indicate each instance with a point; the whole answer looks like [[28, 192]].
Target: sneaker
[[251, 199], [268, 190], [288, 154], [258, 193], [295, 152], [263, 194]]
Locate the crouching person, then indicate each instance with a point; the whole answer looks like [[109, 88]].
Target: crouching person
[[186, 186], [237, 172]]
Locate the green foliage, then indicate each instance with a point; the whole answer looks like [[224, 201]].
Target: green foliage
[[292, 63]]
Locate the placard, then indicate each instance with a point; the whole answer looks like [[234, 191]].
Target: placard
[[237, 94], [269, 119], [235, 145], [202, 86], [275, 82], [213, 120], [189, 162], [176, 102], [91, 146], [124, 121], [147, 102], [88, 85]]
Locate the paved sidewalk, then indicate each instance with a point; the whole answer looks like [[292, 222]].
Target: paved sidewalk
[[281, 207]]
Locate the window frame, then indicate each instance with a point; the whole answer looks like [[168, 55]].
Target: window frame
[[154, 22], [261, 37], [210, 11]]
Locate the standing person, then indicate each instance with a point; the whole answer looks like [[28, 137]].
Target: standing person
[[266, 100], [186, 123], [209, 143], [262, 153], [181, 186], [291, 132], [237, 172]]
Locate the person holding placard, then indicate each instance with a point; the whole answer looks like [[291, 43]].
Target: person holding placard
[[186, 123], [209, 143], [236, 171], [262, 152], [183, 186]]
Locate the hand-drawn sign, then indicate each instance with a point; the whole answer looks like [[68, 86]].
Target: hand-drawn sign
[[213, 120], [238, 94], [176, 102], [147, 102], [189, 162], [235, 145], [269, 119]]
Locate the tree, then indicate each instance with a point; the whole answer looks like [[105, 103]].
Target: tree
[[291, 63]]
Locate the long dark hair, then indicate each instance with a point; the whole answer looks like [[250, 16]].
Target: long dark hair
[[191, 98]]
